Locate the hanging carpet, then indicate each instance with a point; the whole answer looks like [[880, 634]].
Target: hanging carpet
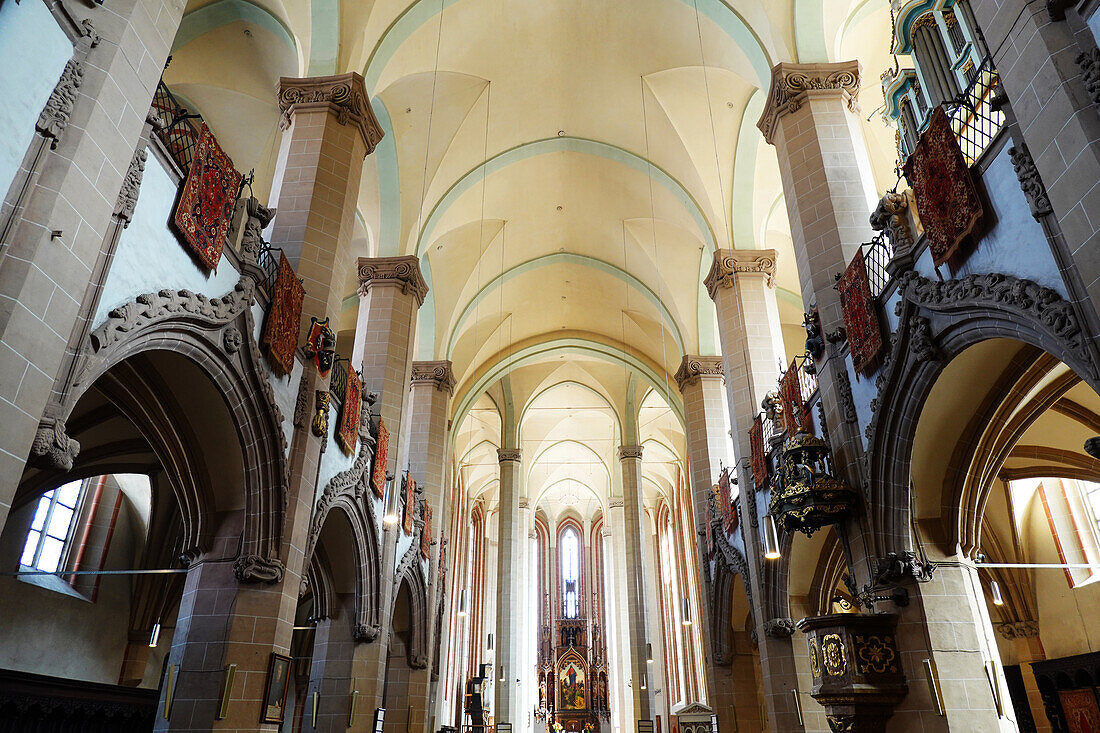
[[794, 410], [759, 456], [947, 199], [378, 478], [860, 314], [348, 434], [209, 196], [284, 317], [426, 532], [410, 504]]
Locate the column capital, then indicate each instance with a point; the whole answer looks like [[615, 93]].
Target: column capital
[[630, 451], [728, 263], [509, 454], [343, 94], [793, 84], [438, 373], [694, 368], [402, 271]]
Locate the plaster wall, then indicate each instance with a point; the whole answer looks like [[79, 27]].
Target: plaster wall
[[150, 257], [63, 635], [27, 31]]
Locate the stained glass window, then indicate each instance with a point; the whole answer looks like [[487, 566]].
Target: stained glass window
[[570, 572]]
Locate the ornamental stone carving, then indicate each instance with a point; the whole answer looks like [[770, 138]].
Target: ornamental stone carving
[[694, 368], [779, 628], [728, 262], [403, 272], [1018, 629], [256, 569], [256, 220], [52, 447], [54, 117], [793, 84], [1089, 61], [509, 454], [1092, 447], [344, 95], [847, 401], [438, 373], [1030, 182], [367, 632], [630, 451], [301, 403], [131, 186], [232, 340], [891, 217]]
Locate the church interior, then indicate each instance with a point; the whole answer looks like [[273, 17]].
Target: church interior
[[498, 366]]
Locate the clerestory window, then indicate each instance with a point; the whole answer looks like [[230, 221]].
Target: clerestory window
[[51, 529]]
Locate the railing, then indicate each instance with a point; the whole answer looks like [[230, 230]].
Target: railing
[[973, 117], [269, 263], [176, 129], [338, 382], [876, 255]]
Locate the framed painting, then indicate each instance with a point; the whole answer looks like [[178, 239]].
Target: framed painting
[[278, 682]]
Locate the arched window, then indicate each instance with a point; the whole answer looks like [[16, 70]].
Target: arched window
[[570, 573]]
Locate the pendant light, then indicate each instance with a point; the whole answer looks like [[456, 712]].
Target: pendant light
[[995, 588], [389, 518], [685, 614], [648, 653], [154, 637], [770, 539], [462, 602]]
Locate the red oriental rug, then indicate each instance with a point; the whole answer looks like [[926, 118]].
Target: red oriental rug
[[284, 317], [410, 504], [208, 199], [759, 455], [350, 411], [794, 410], [426, 532], [860, 314], [378, 477], [729, 516], [1081, 711], [710, 533], [947, 199]]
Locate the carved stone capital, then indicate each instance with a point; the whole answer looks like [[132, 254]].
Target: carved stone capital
[[509, 454], [891, 217], [730, 263], [793, 84], [402, 272], [438, 373], [256, 569], [344, 95], [366, 632], [52, 447], [630, 451], [693, 368]]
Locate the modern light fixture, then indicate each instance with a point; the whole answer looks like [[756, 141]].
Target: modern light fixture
[[995, 588], [155, 636], [648, 653], [770, 539], [462, 602], [503, 676], [685, 613], [390, 517], [489, 643], [644, 681]]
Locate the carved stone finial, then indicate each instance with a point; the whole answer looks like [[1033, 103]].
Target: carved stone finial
[[131, 186], [402, 271], [344, 95], [693, 368], [509, 454], [1030, 182], [630, 451], [727, 262], [438, 373], [793, 84], [52, 447]]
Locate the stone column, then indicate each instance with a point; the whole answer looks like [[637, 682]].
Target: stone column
[[331, 674], [702, 384], [391, 290], [88, 132], [510, 574], [1045, 71], [633, 534], [432, 386], [321, 164], [741, 283], [811, 120]]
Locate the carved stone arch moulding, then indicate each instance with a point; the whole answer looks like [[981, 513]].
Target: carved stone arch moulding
[[735, 563], [937, 320], [199, 328], [412, 574], [348, 491]]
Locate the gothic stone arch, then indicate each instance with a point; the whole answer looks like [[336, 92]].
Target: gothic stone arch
[[938, 321]]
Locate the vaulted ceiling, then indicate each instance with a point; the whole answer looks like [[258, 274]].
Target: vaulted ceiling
[[564, 170]]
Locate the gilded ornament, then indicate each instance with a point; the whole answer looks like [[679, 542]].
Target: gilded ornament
[[834, 655]]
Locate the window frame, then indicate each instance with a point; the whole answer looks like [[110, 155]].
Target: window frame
[[53, 496]]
